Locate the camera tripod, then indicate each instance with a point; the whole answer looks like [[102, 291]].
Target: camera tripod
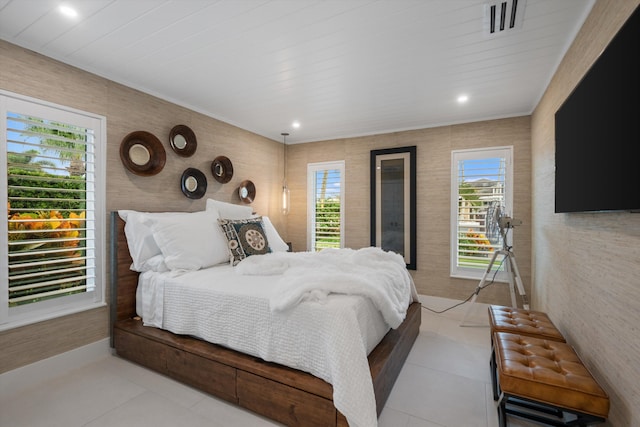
[[513, 275]]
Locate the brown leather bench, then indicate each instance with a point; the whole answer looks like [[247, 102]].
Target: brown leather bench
[[545, 381], [525, 322], [519, 321]]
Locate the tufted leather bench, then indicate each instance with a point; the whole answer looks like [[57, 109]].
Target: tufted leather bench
[[520, 321], [545, 381], [524, 322]]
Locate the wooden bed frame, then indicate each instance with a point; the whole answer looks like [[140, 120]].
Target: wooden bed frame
[[286, 395]]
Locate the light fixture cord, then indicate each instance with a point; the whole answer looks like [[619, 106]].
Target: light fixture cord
[[284, 158]]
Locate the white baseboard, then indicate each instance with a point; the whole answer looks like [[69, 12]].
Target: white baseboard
[[17, 380]]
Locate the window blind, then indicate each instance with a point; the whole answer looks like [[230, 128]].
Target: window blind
[[325, 198], [51, 208], [327, 212], [481, 184]]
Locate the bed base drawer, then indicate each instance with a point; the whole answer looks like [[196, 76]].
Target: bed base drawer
[[204, 374], [143, 351], [288, 405]]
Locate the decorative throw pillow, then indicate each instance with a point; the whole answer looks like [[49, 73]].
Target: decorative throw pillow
[[245, 237]]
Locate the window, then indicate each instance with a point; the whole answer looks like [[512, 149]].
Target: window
[[481, 180], [325, 210], [52, 236]]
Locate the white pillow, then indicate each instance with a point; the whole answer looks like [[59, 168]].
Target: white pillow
[[229, 210], [124, 214], [191, 242], [142, 245], [275, 241], [155, 263]]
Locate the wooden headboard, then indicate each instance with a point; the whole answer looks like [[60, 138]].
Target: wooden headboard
[[124, 281]]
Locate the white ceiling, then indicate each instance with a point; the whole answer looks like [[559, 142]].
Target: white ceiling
[[342, 68]]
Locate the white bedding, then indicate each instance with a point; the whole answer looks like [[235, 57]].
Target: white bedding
[[370, 272], [329, 337]]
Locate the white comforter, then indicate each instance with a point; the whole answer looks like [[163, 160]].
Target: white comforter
[[370, 272], [314, 329]]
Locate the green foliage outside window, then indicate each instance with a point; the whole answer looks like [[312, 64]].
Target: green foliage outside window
[[23, 197], [327, 223]]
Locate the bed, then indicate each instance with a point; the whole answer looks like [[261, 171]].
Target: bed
[[288, 395]]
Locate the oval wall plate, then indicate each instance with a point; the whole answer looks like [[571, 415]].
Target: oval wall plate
[[247, 191], [222, 169], [183, 140], [142, 153], [193, 183]]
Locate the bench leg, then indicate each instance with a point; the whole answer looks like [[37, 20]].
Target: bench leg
[[502, 412], [542, 413], [494, 374]]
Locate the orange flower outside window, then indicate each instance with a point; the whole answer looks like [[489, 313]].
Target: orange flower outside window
[[46, 230]]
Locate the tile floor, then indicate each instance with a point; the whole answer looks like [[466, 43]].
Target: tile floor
[[445, 382]]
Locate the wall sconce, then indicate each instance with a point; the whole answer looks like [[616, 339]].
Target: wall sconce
[[286, 195]]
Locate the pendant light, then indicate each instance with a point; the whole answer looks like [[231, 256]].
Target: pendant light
[[286, 196]]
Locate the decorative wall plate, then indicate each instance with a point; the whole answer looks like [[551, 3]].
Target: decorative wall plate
[[222, 169], [247, 191], [142, 153], [183, 140], [193, 183]]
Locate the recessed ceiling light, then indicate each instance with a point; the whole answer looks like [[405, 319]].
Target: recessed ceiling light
[[68, 11], [296, 124], [462, 99]]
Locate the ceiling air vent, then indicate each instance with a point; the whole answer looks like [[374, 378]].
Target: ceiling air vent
[[500, 16]]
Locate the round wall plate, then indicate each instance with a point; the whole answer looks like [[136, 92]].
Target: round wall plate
[[142, 153], [193, 183], [247, 191], [183, 140], [222, 169]]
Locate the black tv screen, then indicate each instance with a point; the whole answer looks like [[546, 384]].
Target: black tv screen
[[598, 131]]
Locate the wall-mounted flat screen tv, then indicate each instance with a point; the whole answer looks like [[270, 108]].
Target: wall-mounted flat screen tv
[[598, 131]]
